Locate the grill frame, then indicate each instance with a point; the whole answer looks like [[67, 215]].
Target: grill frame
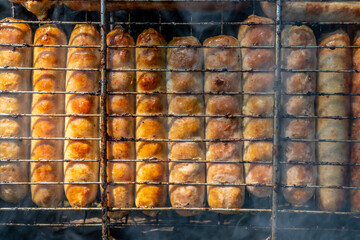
[[106, 224]]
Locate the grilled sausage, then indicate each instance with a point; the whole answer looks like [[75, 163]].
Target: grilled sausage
[[148, 195], [221, 128], [355, 133], [312, 11], [44, 126], [120, 58], [186, 127], [39, 7], [302, 82], [257, 105], [333, 129], [14, 80], [80, 195]]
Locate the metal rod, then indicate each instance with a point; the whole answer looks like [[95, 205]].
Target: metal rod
[[139, 92], [180, 161], [164, 1], [180, 140], [250, 210], [276, 139], [112, 20], [103, 124], [51, 224], [192, 23], [142, 70], [49, 138], [187, 93], [12, 10], [183, 184], [136, 46]]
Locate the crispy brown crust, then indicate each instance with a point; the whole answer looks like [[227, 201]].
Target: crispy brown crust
[[355, 129], [82, 195], [257, 128], [299, 105], [333, 59], [223, 128], [14, 33], [150, 127], [47, 80], [118, 58], [315, 11]]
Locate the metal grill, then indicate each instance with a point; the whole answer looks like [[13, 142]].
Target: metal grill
[[267, 217]]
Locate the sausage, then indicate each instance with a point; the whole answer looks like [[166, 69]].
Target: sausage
[[312, 11], [148, 195], [221, 128], [335, 129], [186, 127], [118, 127], [49, 81], [80, 195], [39, 7], [355, 151], [258, 105], [300, 105], [14, 80], [86, 5]]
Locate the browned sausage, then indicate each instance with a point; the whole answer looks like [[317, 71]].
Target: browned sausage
[[220, 128], [120, 58], [80, 195], [50, 81], [14, 80], [300, 82], [335, 129], [258, 105], [186, 127], [148, 195]]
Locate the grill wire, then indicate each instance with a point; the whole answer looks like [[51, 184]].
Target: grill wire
[[264, 216]]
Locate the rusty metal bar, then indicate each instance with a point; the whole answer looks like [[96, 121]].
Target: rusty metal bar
[[181, 1], [52, 224], [189, 140], [184, 184], [317, 70], [276, 138], [139, 70], [181, 140], [103, 124], [181, 161], [48, 138], [251, 210], [135, 46], [131, 115], [143, 93]]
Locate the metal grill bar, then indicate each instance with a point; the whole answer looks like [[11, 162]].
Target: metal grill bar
[[186, 93], [182, 161], [103, 124], [178, 70], [276, 140], [182, 184], [250, 210], [143, 93], [139, 70]]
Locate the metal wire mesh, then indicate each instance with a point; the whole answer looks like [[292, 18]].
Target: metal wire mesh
[[273, 209]]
